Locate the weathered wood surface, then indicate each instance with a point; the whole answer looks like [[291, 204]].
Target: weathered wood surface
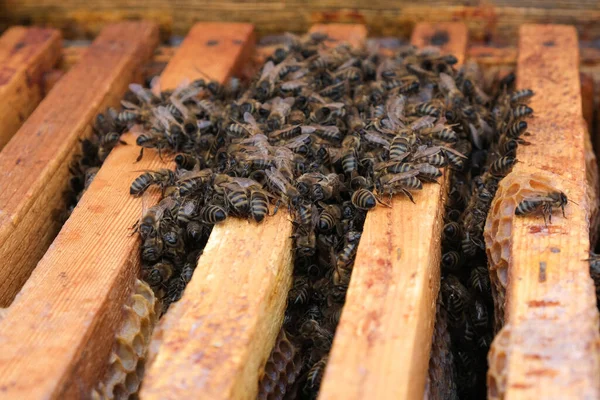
[[215, 341], [494, 18], [34, 166], [67, 313], [382, 343], [25, 55], [549, 345]]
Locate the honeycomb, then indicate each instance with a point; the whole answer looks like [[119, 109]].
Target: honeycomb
[[496, 376], [441, 384], [127, 359], [281, 370], [498, 231]]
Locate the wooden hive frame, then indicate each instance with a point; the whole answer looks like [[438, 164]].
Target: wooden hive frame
[[72, 301]]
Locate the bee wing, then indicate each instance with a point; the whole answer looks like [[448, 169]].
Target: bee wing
[[308, 129], [537, 198], [425, 152], [129, 105], [382, 165], [376, 138], [451, 150], [395, 110], [140, 92], [249, 119], [276, 179], [422, 122], [403, 175], [267, 70], [447, 82]]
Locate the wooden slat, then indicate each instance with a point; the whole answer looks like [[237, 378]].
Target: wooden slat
[[34, 165], [67, 312], [549, 345], [495, 18], [382, 343], [25, 54], [216, 339]]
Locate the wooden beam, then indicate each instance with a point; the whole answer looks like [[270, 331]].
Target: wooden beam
[[68, 311], [382, 343], [215, 341], [34, 166], [548, 346], [25, 55]]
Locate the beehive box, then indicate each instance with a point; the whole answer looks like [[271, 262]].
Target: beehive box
[[75, 290]]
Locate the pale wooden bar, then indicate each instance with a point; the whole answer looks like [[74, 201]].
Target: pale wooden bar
[[25, 55], [215, 341], [69, 309], [382, 344], [34, 167], [548, 347]]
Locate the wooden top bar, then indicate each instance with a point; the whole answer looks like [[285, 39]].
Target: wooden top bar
[[382, 343], [215, 341], [549, 345], [25, 55], [67, 312], [34, 166]]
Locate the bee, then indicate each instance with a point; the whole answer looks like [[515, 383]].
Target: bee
[[316, 372], [479, 280], [280, 109], [188, 162], [502, 166], [329, 217], [296, 117], [259, 205], [300, 291], [542, 203], [363, 199], [452, 231], [479, 315], [152, 248], [158, 273], [521, 111], [516, 129], [455, 297], [452, 260], [428, 109], [192, 181], [194, 230], [237, 198], [212, 214], [346, 255], [306, 244], [521, 96], [162, 177]]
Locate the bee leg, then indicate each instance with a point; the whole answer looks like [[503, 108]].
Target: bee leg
[[409, 195], [140, 156], [383, 202], [563, 211], [123, 142], [276, 207]]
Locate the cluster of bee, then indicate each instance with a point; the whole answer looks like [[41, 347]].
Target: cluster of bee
[[465, 290], [326, 132]]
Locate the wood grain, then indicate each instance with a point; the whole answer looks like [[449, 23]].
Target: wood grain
[[25, 55], [382, 343], [215, 341], [549, 345], [34, 166], [485, 19], [67, 312]]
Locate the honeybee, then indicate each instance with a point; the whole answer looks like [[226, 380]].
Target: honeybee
[[542, 203]]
